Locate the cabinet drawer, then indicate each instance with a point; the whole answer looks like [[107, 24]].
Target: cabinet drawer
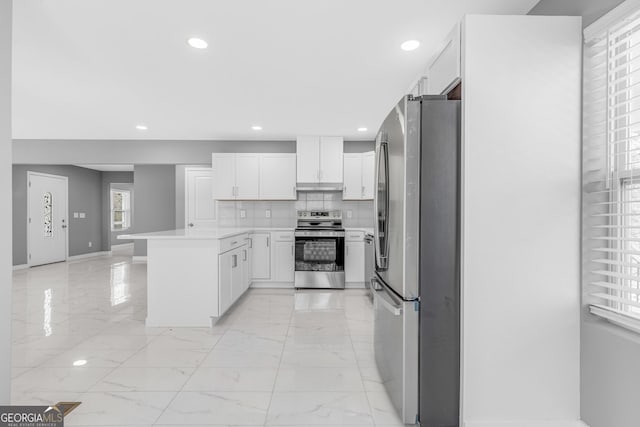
[[233, 242], [354, 236], [282, 236]]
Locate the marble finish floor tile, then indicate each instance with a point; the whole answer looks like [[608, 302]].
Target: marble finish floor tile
[[278, 358]]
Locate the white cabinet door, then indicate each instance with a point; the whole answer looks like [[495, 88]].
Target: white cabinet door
[[284, 261], [308, 158], [368, 174], [444, 72], [223, 172], [225, 281], [247, 172], [260, 256], [352, 189], [331, 154], [200, 206], [278, 176], [354, 262]]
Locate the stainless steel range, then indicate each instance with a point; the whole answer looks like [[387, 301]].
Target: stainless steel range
[[319, 250]]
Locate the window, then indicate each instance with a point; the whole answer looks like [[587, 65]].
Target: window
[[120, 209], [611, 168]]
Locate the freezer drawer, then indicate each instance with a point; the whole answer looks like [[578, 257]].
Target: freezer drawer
[[396, 348]]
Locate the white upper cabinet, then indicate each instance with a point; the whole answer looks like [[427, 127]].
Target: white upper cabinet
[[445, 71], [223, 172], [319, 159], [278, 176], [352, 189], [254, 176], [247, 170], [308, 158], [331, 152], [358, 176], [368, 174]]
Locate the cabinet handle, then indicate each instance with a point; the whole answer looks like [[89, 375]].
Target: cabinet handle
[[362, 191], [291, 249], [250, 240], [244, 255], [268, 240], [234, 261], [346, 250], [294, 191]]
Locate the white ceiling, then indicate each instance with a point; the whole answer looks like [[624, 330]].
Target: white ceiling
[[109, 168], [95, 69]]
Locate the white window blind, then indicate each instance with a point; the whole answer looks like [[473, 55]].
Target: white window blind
[[611, 172]]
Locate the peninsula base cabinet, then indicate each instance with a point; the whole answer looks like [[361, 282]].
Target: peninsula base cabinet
[[233, 278]]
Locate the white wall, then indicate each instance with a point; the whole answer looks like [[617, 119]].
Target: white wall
[[521, 217], [5, 214]]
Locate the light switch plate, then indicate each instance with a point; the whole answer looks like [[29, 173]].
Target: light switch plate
[[243, 213], [349, 214], [267, 213], [83, 215]]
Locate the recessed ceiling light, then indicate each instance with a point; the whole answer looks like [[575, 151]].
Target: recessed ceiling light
[[256, 127], [362, 129], [80, 362], [197, 43], [410, 45], [141, 127]]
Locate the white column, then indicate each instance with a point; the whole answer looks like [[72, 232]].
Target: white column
[[5, 188]]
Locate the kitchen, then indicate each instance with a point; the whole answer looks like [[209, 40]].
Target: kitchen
[[398, 243]]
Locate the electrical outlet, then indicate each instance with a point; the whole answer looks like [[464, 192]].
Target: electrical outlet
[[349, 214], [83, 215], [243, 213], [267, 213], [90, 244], [75, 214]]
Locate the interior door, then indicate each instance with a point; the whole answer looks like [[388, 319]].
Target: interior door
[[199, 203], [247, 176], [278, 176], [47, 218], [331, 158], [223, 167]]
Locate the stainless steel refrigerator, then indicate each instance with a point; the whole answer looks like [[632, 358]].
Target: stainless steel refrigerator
[[416, 285]]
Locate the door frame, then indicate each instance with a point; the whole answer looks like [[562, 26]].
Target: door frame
[[186, 192], [66, 211]]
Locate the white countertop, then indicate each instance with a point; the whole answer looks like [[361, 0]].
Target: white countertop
[[366, 230], [198, 234]]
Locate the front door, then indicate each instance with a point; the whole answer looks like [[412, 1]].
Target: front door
[[201, 209], [47, 220]]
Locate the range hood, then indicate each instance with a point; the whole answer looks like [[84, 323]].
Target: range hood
[[319, 186]]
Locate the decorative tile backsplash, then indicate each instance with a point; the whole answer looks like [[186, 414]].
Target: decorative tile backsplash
[[283, 213]]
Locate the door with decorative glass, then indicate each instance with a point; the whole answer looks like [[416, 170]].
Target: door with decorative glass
[[47, 218]]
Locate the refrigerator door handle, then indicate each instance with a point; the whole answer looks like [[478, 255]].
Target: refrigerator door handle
[[381, 246], [382, 297]]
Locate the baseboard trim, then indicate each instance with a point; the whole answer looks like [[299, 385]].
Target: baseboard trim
[[139, 259], [355, 285], [526, 423], [272, 285], [89, 255], [20, 267]]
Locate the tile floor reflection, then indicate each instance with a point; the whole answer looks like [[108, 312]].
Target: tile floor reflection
[[278, 358]]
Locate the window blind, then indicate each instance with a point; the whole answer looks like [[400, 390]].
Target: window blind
[[611, 172]]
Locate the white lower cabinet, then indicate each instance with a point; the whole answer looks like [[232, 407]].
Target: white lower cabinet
[[233, 275], [354, 257], [283, 256], [260, 254]]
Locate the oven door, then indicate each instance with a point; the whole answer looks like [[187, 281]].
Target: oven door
[[319, 260]]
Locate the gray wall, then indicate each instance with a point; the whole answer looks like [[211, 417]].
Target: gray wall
[[148, 152], [609, 391], [590, 10], [85, 195], [154, 202], [110, 237], [5, 214]]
